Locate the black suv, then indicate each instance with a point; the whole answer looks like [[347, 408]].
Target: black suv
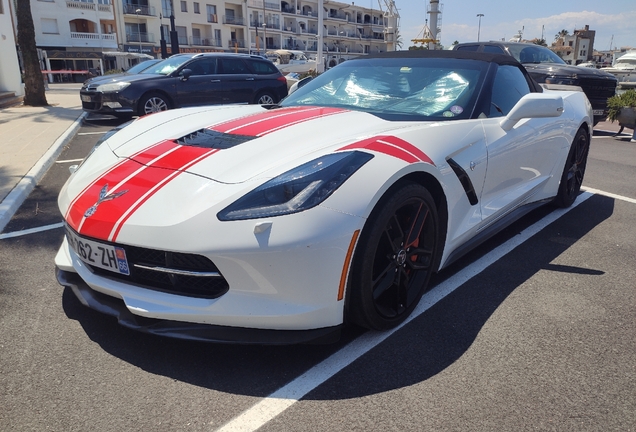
[[544, 66], [187, 80]]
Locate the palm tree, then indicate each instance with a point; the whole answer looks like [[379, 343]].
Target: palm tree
[[33, 80], [398, 39], [563, 33]]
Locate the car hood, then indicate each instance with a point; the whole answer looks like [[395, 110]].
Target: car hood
[[559, 69], [233, 144]]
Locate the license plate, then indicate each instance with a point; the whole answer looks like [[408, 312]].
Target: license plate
[[85, 98], [104, 256], [598, 112]]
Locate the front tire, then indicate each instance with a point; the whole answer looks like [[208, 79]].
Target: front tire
[[152, 103], [394, 259], [573, 171]]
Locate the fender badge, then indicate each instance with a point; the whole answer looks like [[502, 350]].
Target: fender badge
[[103, 196]]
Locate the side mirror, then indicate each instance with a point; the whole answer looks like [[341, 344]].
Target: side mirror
[[533, 105], [185, 74], [299, 84]]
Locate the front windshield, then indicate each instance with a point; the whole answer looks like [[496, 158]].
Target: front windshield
[[534, 54], [141, 66], [397, 88], [167, 66]]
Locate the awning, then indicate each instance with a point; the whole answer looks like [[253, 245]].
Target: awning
[[127, 55]]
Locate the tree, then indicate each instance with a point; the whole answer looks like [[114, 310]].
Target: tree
[[398, 39], [33, 80], [540, 42], [561, 34]]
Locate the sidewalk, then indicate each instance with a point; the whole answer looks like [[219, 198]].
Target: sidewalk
[[31, 138]]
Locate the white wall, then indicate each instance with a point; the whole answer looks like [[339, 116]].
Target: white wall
[[9, 68]]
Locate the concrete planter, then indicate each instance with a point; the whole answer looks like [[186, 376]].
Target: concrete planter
[[627, 118]]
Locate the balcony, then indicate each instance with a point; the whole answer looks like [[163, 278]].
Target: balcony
[[93, 40], [131, 9], [240, 43], [197, 41], [260, 4], [233, 20], [102, 6], [140, 37]]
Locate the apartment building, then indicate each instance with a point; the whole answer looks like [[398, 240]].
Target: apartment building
[[577, 47], [76, 35]]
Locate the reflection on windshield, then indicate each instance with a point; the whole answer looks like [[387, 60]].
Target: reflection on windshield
[[407, 87], [167, 66]]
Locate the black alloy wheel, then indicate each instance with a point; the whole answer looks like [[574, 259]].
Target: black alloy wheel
[[574, 170], [394, 258]]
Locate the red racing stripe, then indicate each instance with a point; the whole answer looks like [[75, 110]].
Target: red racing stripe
[[264, 123], [89, 195], [120, 223], [391, 146], [135, 180]]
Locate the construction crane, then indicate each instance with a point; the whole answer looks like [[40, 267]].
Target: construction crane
[[391, 23]]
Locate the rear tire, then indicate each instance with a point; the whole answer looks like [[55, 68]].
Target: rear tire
[[394, 259], [265, 98], [573, 171]]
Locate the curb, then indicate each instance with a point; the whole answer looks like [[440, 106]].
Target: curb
[[21, 191]]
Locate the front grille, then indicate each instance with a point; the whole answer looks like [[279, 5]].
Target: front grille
[[170, 272], [598, 88]]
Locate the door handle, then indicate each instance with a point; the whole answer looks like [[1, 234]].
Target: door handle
[[249, 79], [215, 80]]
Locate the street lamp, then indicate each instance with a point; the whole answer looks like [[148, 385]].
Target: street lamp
[[138, 30], [479, 28], [265, 38]]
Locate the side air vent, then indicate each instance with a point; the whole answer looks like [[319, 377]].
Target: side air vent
[[465, 181], [212, 139]]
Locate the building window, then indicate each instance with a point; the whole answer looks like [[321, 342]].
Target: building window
[[166, 8], [49, 26], [211, 10], [196, 8], [184, 6]]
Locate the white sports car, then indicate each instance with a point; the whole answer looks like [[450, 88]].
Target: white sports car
[[280, 224]]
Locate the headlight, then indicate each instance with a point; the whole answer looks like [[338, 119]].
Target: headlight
[[563, 80], [112, 87], [300, 189]]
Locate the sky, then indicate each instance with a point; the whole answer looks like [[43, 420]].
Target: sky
[[503, 19]]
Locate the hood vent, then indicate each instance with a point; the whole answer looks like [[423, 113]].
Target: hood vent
[[208, 138]]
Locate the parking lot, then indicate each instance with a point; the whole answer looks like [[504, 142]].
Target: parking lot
[[534, 330]]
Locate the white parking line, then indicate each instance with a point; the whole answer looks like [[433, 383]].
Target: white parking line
[[609, 195], [31, 231], [286, 396]]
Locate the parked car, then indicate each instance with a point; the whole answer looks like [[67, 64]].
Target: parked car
[[545, 66], [186, 80], [139, 67], [281, 223]]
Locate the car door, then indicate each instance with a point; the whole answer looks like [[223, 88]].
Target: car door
[[521, 160], [202, 87], [237, 80]]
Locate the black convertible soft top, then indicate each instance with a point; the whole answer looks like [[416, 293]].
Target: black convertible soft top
[[445, 54], [499, 59]]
